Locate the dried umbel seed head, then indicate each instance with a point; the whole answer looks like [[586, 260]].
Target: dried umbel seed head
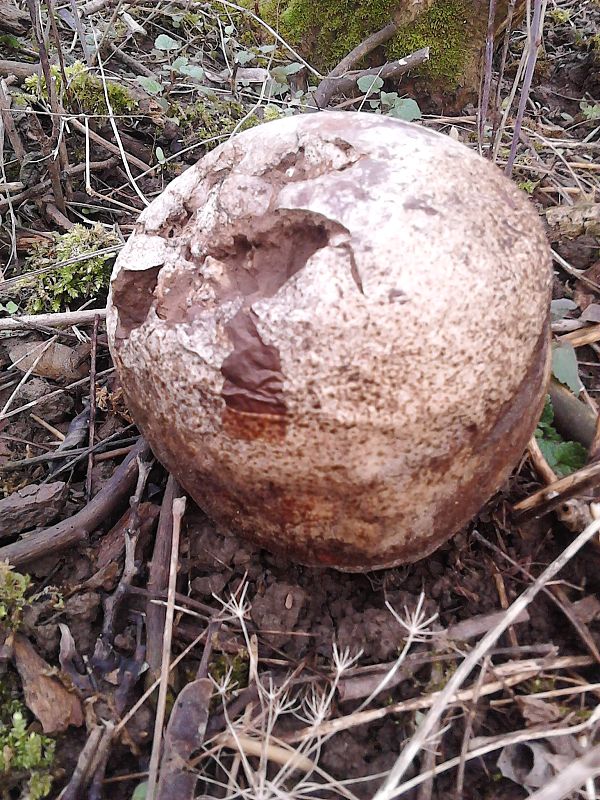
[[333, 330]]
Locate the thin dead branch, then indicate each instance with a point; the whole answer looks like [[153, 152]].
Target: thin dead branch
[[158, 580], [550, 497], [178, 510]]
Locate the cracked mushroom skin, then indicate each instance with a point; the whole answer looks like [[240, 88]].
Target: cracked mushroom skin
[[334, 331]]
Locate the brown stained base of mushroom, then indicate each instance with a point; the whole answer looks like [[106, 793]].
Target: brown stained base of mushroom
[[76, 529], [492, 442]]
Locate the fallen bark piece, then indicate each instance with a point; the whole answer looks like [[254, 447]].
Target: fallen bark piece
[[13, 19], [31, 507], [46, 697]]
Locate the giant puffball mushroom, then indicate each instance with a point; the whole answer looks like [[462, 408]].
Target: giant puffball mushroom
[[334, 331]]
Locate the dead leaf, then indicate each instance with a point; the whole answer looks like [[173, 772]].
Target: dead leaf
[[533, 764], [584, 294], [45, 696], [587, 610], [536, 712], [591, 313], [526, 764], [56, 360], [185, 735]]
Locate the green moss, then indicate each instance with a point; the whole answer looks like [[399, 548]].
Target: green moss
[[442, 28], [84, 92], [528, 186], [333, 29], [57, 289], [559, 15], [212, 118], [9, 43], [13, 588], [236, 667], [327, 32]]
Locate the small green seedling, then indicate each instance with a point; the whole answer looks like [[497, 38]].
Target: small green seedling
[[563, 456]]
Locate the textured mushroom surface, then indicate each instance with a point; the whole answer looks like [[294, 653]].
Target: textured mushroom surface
[[333, 330]]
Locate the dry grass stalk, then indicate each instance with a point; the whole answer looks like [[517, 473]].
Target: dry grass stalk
[[420, 738]]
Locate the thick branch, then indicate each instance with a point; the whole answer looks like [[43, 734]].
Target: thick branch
[[333, 85], [20, 69], [77, 528], [60, 319]]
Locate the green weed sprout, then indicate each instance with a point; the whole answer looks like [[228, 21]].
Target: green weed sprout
[[25, 758]]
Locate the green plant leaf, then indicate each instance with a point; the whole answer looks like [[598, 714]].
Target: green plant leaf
[[244, 57], [193, 71], [149, 85], [545, 425], [389, 98], [590, 112], [140, 791], [565, 368], [279, 74], [560, 308], [368, 84], [406, 108], [563, 457], [293, 68], [165, 42], [180, 62]]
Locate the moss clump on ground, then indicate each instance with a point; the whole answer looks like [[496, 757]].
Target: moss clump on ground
[[84, 92], [56, 289], [325, 33], [230, 669], [25, 756], [442, 28], [213, 118]]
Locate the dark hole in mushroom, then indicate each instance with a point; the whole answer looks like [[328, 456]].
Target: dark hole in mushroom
[[261, 262], [133, 294]]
